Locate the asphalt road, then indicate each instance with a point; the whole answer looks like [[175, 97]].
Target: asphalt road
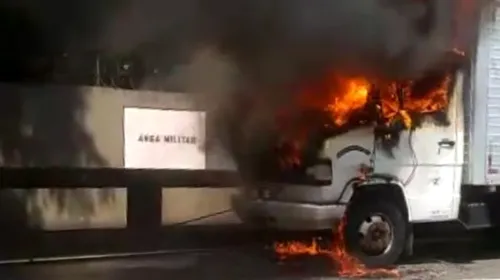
[[442, 261]]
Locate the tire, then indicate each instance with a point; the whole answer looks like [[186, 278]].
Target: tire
[[358, 214]]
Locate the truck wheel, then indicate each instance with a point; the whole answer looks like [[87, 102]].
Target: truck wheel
[[375, 232]]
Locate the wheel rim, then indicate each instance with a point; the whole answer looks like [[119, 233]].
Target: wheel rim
[[376, 235]]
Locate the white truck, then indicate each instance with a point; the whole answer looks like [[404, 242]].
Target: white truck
[[438, 174]]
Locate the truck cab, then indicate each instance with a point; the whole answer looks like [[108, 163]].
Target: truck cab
[[435, 173], [380, 191]]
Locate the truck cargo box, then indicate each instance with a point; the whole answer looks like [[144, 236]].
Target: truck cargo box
[[482, 106]]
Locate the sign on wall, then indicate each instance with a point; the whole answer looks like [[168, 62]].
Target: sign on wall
[[164, 139]]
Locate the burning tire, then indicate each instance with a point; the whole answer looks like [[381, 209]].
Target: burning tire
[[375, 232]]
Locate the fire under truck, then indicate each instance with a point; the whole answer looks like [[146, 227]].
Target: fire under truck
[[436, 174]]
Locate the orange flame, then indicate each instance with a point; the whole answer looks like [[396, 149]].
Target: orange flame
[[348, 266], [344, 98], [353, 97]]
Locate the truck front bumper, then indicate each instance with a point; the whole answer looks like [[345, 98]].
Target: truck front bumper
[[287, 215]]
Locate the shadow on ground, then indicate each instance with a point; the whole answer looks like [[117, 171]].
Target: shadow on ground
[[484, 245]]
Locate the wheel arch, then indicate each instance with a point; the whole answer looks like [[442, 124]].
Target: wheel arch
[[385, 186]]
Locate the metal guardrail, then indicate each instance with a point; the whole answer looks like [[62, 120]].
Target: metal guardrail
[[144, 231], [33, 178]]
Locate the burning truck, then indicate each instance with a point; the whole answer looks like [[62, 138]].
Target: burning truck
[[398, 161], [375, 151]]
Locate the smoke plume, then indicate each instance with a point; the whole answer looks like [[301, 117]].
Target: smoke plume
[[275, 45], [279, 44]]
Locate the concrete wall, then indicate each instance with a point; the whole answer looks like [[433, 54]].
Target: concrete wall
[[82, 127]]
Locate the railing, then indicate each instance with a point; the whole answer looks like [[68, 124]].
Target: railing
[[32, 178], [144, 231]]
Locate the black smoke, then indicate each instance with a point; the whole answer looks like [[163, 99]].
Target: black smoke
[[276, 46], [394, 38], [280, 44]]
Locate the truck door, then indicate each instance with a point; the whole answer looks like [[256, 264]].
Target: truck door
[[427, 163]]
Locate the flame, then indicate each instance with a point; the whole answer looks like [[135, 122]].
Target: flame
[[347, 100], [347, 265], [353, 97], [340, 96], [433, 100]]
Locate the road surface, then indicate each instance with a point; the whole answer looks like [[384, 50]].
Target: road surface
[[449, 261]]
